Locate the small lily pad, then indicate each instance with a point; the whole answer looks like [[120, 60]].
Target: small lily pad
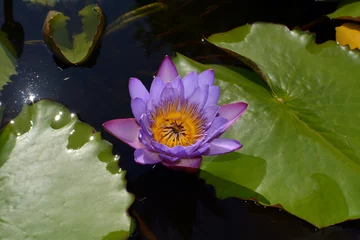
[[7, 60], [82, 45], [349, 10], [59, 179]]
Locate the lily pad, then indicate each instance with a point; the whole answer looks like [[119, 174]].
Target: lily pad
[[349, 10], [82, 45], [59, 179], [7, 60], [300, 132]]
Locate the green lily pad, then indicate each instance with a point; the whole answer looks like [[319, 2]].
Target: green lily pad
[[59, 179], [300, 132], [349, 10], [7, 60], [82, 45]]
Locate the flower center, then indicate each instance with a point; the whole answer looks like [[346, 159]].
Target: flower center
[[175, 124]]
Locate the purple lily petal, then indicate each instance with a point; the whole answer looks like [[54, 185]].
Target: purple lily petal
[[179, 86], [145, 139], [138, 108], [161, 148], [168, 158], [144, 124], [206, 77], [214, 94], [145, 127], [167, 71], [200, 151], [221, 146], [179, 151], [190, 82], [232, 112], [169, 93], [187, 164], [137, 89], [216, 128], [156, 88], [127, 130], [199, 96], [149, 107], [144, 156], [210, 113]]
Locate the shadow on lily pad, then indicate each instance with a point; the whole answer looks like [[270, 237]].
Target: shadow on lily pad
[[227, 188]]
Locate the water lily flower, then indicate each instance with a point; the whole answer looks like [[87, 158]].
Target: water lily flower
[[178, 121]]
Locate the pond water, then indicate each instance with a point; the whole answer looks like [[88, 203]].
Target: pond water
[[169, 205]]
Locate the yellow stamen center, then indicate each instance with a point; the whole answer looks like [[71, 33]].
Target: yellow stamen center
[[175, 124]]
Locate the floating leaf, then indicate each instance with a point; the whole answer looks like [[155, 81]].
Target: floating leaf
[[300, 132], [82, 45], [7, 60], [349, 11], [348, 34], [59, 179]]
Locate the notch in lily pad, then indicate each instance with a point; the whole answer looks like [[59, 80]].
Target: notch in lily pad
[[78, 49]]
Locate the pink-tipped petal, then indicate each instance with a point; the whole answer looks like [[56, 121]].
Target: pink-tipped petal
[[188, 164], [138, 90], [232, 112], [221, 146], [127, 130], [206, 77], [138, 108], [144, 156], [167, 71]]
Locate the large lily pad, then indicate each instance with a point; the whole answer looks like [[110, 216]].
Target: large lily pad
[[300, 132], [59, 179], [7, 60], [348, 10], [82, 45]]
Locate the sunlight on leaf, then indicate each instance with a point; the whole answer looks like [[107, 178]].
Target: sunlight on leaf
[[80, 48], [300, 131], [54, 184]]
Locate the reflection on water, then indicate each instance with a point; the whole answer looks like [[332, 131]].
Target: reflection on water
[[183, 205]]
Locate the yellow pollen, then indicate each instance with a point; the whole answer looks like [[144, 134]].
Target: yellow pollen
[[175, 124]]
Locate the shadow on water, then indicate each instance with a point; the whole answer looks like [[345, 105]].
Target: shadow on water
[[169, 204]]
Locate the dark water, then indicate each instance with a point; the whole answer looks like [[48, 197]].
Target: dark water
[[171, 205]]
